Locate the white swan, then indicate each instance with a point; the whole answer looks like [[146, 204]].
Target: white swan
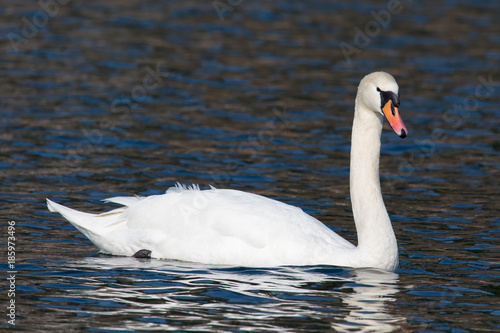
[[221, 226]]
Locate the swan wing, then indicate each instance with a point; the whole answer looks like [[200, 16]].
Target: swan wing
[[229, 226], [210, 226]]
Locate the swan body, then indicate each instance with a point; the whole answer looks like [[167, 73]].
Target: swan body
[[231, 227]]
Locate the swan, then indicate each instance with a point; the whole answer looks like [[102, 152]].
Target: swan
[[232, 227]]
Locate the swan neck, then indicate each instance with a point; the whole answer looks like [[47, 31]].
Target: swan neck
[[374, 229]]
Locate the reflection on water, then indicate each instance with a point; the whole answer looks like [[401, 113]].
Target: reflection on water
[[109, 98], [373, 290], [167, 294]]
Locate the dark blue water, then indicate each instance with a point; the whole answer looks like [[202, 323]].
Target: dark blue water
[[102, 98]]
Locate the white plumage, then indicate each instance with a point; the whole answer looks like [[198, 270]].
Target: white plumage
[[222, 226]]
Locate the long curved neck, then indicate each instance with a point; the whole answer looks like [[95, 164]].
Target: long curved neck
[[376, 239]]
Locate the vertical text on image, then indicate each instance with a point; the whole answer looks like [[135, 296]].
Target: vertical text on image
[[11, 272]]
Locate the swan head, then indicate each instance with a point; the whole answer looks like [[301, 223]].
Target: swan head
[[379, 93]]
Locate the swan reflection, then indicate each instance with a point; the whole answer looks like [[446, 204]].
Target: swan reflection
[[203, 296], [368, 302]]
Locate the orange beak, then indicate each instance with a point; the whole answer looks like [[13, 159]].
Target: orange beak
[[392, 114]]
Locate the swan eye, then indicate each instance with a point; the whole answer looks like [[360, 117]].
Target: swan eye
[[386, 96]]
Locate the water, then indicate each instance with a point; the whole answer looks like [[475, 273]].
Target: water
[[105, 98]]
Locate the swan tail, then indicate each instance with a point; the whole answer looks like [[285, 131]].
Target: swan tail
[[93, 226], [72, 215], [109, 231]]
